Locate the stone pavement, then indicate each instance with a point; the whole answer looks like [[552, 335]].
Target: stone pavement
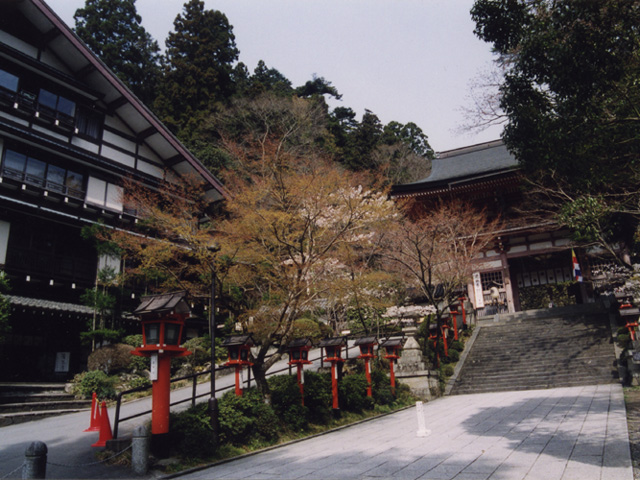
[[564, 433]]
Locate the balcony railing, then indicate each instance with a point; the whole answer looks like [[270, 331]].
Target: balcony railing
[[40, 182]]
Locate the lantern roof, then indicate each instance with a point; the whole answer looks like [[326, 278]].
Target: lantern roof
[[333, 342], [163, 303], [238, 340], [392, 342], [300, 342], [366, 340]]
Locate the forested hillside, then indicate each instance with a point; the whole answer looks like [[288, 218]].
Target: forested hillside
[[215, 104]]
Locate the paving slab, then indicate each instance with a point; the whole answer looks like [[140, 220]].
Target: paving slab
[[554, 434]]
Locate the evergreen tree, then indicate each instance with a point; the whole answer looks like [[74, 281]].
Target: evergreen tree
[[570, 92], [198, 67], [112, 30]]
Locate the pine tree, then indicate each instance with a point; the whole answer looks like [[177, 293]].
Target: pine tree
[[112, 29], [197, 66]]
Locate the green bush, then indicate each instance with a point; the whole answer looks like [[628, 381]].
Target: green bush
[[94, 381], [353, 393], [447, 370], [456, 345], [133, 340], [454, 356], [246, 418], [286, 401], [382, 394], [318, 397], [191, 434], [623, 340], [113, 358]]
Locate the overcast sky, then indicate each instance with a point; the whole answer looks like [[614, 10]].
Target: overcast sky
[[405, 60]]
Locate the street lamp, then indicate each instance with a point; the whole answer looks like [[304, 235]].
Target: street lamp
[[163, 318], [213, 401]]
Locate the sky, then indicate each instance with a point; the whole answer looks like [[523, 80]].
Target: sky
[[404, 60]]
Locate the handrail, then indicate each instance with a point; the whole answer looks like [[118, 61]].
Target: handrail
[[194, 396]]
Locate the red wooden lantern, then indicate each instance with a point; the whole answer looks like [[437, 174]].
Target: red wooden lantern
[[299, 356], [392, 347], [239, 349], [332, 349], [367, 345], [163, 318]]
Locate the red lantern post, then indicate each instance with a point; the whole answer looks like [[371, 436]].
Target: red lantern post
[[299, 356], [392, 347], [332, 351], [239, 348], [367, 345], [163, 318]]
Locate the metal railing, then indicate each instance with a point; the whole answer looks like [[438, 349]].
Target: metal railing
[[194, 383]]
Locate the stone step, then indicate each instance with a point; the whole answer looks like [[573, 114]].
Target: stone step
[[539, 350], [42, 406], [22, 397], [21, 417]]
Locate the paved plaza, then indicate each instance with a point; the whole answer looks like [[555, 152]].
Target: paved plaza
[[566, 433]]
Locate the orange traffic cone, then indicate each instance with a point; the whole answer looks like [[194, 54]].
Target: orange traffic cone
[[105, 428], [94, 424]]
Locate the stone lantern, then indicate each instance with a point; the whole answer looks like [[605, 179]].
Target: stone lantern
[[299, 356], [163, 318], [239, 348], [367, 346], [332, 350]]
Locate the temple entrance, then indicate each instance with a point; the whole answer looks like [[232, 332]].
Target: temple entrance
[[544, 281]]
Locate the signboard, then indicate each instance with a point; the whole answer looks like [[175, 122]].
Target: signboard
[[153, 369], [62, 362], [477, 290]]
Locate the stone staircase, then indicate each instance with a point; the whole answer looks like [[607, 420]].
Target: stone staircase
[[23, 402], [540, 349]]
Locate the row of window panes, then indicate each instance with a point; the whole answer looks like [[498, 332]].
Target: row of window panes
[[490, 279], [36, 172], [88, 122]]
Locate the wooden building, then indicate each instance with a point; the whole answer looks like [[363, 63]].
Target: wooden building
[[527, 254], [70, 130]]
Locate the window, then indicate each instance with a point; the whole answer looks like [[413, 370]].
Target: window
[[104, 194], [56, 103], [89, 123], [9, 81], [490, 279], [33, 171]]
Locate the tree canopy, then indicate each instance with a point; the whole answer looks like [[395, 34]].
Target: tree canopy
[[197, 67], [113, 30], [571, 92]]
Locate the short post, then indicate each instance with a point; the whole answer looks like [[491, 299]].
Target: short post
[[140, 445], [35, 461]]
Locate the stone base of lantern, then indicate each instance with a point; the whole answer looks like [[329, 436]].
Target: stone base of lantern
[[412, 371]]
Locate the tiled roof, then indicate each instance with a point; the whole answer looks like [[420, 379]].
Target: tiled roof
[[41, 304], [469, 162]]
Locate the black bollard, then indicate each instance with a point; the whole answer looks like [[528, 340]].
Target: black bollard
[[35, 461]]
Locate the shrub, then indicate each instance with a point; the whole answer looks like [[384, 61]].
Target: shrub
[[447, 370], [246, 418], [317, 396], [200, 354], [454, 355], [286, 402], [353, 393], [111, 358], [456, 345], [94, 381], [382, 394], [133, 340], [191, 433], [623, 340]]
